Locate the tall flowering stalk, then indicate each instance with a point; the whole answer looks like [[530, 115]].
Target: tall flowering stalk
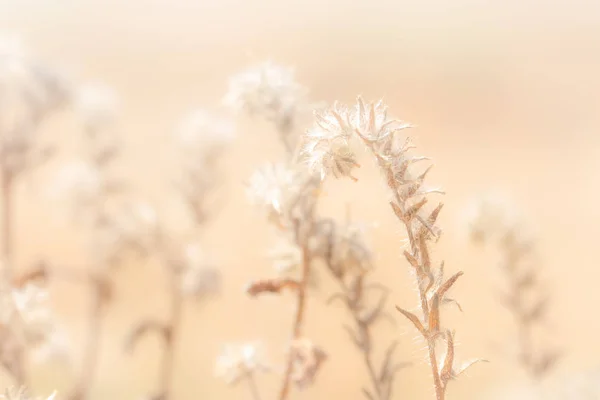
[[350, 261], [202, 139], [328, 151], [492, 220], [30, 92], [100, 204], [288, 195]]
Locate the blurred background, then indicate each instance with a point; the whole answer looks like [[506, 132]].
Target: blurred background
[[504, 94]]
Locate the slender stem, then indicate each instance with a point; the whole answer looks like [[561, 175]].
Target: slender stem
[[171, 335], [372, 373], [253, 387], [20, 374], [440, 390], [298, 320], [92, 346], [7, 226]]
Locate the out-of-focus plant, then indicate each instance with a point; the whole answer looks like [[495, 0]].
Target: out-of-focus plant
[[31, 92], [201, 140], [101, 203], [493, 220]]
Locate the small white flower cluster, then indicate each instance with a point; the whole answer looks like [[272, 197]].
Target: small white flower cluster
[[492, 216], [271, 91], [202, 140], [80, 185], [239, 361], [327, 146], [198, 278], [267, 89], [27, 323], [92, 193], [132, 226], [203, 136], [284, 192], [29, 92], [98, 106]]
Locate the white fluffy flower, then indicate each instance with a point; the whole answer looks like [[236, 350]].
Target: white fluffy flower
[[327, 144], [79, 183], [266, 88], [198, 278], [238, 361], [202, 134], [29, 91], [277, 188], [98, 105]]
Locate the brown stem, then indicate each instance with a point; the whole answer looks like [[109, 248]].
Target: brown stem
[[372, 372], [298, 320], [171, 335], [440, 389]]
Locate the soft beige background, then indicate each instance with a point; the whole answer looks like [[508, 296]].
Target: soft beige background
[[505, 95]]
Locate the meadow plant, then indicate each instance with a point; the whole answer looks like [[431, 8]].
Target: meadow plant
[[328, 152], [101, 204], [201, 140], [31, 92], [493, 220], [287, 192]]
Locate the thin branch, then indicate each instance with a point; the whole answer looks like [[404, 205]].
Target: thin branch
[[298, 319]]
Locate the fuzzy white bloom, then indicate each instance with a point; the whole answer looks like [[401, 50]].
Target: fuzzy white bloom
[[29, 91], [31, 306], [79, 183], [98, 105], [327, 144], [129, 227], [238, 361], [138, 224], [198, 279], [491, 215], [26, 321], [277, 188], [203, 135], [327, 148], [202, 138], [23, 394], [267, 89]]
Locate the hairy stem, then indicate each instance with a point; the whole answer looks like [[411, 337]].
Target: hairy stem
[[440, 389], [298, 319], [171, 336]]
